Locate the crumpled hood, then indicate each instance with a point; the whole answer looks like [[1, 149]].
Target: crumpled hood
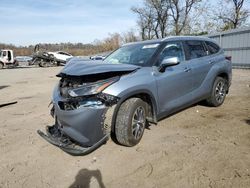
[[83, 67]]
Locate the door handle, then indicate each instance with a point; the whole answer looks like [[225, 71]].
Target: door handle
[[187, 69], [211, 62]]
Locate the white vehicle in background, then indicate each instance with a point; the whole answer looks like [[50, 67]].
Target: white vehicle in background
[[7, 59], [61, 56]]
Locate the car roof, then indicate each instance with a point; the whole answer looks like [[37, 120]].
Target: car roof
[[172, 38]]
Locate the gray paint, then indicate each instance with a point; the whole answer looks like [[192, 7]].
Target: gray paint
[[176, 88], [79, 68]]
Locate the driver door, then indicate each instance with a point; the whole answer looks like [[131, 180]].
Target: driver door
[[4, 56], [175, 83]]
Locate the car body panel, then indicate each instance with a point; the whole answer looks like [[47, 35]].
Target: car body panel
[[80, 68], [175, 88], [61, 56]]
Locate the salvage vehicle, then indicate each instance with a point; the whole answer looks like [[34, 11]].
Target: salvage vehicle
[[7, 59], [44, 58], [61, 56], [138, 84]]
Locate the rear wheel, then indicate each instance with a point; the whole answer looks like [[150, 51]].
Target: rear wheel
[[218, 93], [1, 65], [130, 122]]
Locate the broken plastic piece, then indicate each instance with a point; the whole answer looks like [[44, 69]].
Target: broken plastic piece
[[66, 145]]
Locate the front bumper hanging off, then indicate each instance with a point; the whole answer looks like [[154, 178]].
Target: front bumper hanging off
[[71, 147], [79, 132]]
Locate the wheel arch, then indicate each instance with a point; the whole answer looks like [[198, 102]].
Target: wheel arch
[[225, 76], [146, 96]]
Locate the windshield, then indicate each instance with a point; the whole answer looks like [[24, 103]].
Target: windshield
[[137, 54]]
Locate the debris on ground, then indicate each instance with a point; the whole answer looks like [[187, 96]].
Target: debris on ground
[[7, 104]]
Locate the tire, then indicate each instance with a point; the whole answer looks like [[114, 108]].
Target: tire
[[16, 63], [43, 64], [128, 133], [1, 65], [219, 91]]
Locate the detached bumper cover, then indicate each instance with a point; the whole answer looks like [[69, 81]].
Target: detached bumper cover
[[80, 131], [68, 146]]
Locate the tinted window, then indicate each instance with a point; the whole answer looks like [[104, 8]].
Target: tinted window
[[213, 48], [195, 49], [9, 55], [4, 53], [172, 49], [63, 53]]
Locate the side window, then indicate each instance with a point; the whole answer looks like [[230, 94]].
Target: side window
[[9, 55], [212, 47], [172, 49], [195, 49], [63, 53], [4, 53]]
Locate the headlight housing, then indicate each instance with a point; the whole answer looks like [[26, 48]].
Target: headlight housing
[[93, 88]]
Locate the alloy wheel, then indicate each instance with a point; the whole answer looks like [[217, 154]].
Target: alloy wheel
[[138, 122]]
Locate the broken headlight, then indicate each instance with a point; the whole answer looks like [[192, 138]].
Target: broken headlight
[[93, 88]]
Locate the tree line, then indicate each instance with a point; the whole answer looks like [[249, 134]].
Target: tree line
[[159, 19]]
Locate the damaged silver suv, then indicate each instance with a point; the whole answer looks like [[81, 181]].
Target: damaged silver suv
[[137, 84]]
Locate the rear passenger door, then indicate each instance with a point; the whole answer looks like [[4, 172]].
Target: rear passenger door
[[198, 59]]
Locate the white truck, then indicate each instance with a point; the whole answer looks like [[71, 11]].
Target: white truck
[[7, 59]]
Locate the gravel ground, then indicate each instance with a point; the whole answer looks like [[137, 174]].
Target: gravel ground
[[197, 147]]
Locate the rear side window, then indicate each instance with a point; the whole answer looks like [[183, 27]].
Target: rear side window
[[212, 47], [195, 49]]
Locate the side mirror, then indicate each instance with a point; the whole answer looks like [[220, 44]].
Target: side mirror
[[167, 62]]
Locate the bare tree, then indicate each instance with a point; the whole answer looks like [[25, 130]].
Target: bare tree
[[233, 16], [145, 21], [152, 18], [158, 18], [129, 36], [160, 11], [180, 11]]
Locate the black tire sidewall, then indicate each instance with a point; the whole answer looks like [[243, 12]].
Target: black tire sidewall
[[131, 138], [123, 125]]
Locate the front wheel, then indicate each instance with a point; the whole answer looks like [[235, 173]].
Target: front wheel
[[218, 93], [130, 122]]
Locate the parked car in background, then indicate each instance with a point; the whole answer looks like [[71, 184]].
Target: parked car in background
[[97, 58], [23, 58], [61, 56], [137, 84]]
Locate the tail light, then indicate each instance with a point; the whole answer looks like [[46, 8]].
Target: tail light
[[229, 58]]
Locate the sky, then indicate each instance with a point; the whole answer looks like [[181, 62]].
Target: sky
[[26, 22]]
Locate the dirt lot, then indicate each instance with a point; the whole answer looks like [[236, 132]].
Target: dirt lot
[[198, 147]]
